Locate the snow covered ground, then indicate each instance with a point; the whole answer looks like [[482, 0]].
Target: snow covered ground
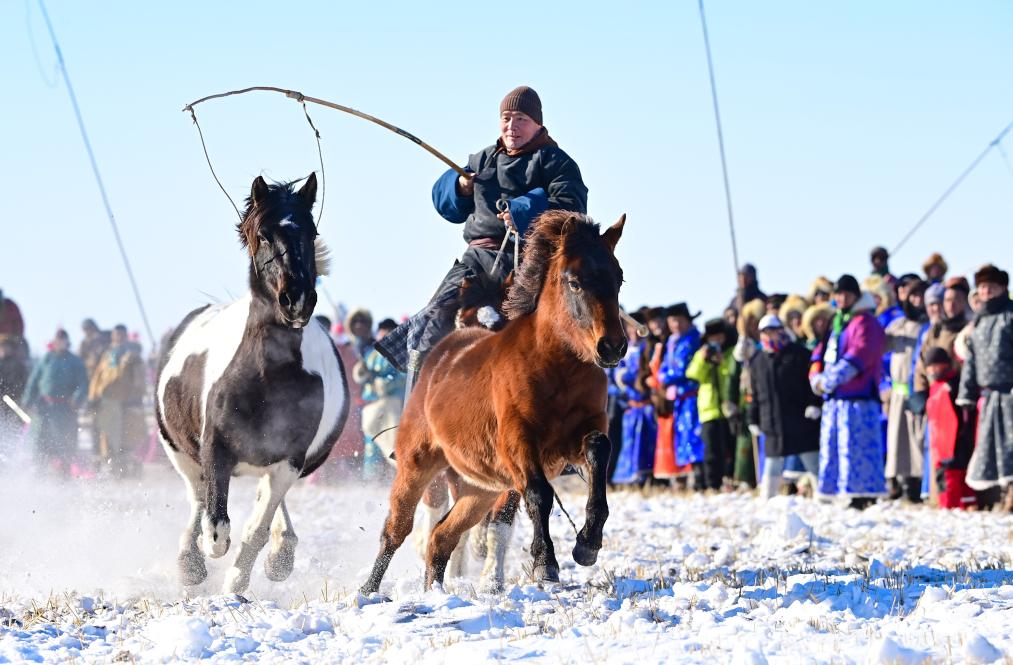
[[87, 574]]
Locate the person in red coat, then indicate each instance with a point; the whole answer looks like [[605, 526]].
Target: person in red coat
[[951, 431]]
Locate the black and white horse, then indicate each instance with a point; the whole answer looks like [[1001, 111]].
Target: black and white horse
[[254, 387]]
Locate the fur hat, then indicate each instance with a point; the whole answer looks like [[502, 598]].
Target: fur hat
[[751, 312], [959, 284], [879, 252], [792, 304], [820, 285], [821, 311], [935, 260], [989, 273], [880, 288], [358, 313]]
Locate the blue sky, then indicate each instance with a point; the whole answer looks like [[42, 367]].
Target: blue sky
[[843, 122]]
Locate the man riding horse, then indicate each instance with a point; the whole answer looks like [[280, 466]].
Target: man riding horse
[[509, 184]]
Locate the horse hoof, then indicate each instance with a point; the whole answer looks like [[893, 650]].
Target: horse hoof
[[236, 581], [546, 573], [278, 565], [373, 598], [192, 570], [215, 539], [585, 555], [491, 586]]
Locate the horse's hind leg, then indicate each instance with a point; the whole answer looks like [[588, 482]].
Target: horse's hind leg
[[596, 451], [497, 537], [190, 561], [458, 564], [281, 559], [270, 494], [470, 508], [414, 473], [435, 504]]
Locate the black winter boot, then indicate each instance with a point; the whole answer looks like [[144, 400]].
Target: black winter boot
[[913, 489], [861, 503]]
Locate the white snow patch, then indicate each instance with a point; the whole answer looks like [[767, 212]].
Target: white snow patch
[[178, 636]]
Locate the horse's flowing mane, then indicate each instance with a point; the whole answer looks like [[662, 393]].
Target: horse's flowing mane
[[552, 232], [281, 200]]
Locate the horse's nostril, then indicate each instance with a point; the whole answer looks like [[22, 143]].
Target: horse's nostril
[[284, 300]]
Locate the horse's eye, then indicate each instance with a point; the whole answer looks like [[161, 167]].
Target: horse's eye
[[262, 239], [574, 285]]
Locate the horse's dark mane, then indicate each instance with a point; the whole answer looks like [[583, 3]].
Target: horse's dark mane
[[480, 290], [281, 199], [551, 232]]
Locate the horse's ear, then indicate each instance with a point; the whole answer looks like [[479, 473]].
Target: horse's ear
[[568, 225], [308, 192], [258, 193], [508, 282], [614, 232]]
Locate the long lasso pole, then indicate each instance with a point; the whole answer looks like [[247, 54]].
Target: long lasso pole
[[721, 138], [995, 143], [300, 97], [98, 175]]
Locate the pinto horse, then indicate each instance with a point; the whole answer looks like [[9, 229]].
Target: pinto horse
[[509, 410], [253, 387]]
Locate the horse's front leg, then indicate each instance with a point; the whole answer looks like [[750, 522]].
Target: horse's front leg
[[270, 493], [597, 449], [217, 464], [538, 500], [190, 561]]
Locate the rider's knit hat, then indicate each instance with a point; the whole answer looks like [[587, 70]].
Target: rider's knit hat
[[525, 100]]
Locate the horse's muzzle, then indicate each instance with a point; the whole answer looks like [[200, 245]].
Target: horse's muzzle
[[610, 353], [297, 307]]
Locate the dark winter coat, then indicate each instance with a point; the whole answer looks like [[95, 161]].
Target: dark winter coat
[[532, 182], [781, 393]]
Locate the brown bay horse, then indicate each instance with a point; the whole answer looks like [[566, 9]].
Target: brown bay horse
[[510, 410], [482, 299]]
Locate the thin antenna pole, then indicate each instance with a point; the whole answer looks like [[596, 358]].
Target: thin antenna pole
[[98, 176], [721, 138]]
